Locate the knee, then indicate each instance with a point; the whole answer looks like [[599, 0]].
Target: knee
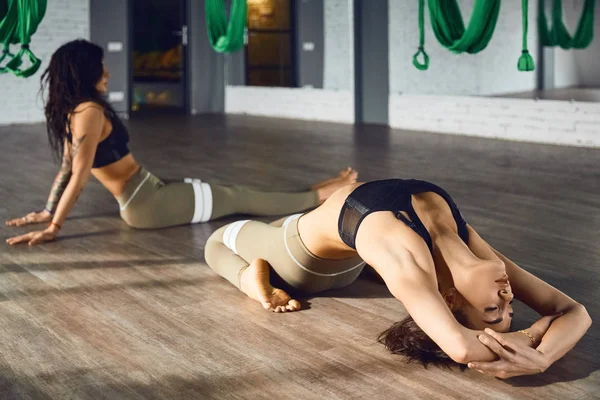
[[213, 244]]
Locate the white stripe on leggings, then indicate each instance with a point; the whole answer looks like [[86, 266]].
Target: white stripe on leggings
[[203, 201], [231, 233], [137, 189]]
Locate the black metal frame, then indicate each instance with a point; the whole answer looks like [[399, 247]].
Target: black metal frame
[[293, 48]]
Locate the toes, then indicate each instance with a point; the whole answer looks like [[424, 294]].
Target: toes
[[293, 305]]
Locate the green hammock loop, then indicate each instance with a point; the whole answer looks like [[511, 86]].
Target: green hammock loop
[[31, 14], [449, 28], [226, 37], [425, 64], [558, 35], [526, 62], [5, 54]]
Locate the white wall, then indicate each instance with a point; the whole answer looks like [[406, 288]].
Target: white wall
[[339, 45], [491, 71], [578, 68], [65, 20], [335, 102], [543, 121]]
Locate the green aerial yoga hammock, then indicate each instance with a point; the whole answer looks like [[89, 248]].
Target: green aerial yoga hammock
[[526, 62], [19, 24], [559, 35], [226, 37], [8, 25], [449, 28]]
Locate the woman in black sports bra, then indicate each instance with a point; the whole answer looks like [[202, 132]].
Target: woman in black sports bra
[[456, 288], [91, 140]]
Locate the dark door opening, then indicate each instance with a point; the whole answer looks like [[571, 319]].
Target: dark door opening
[[271, 52], [159, 54]]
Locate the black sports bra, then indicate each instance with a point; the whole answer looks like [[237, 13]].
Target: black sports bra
[[392, 195], [114, 147]]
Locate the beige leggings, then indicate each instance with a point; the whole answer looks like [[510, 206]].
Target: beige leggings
[[148, 202], [233, 247]]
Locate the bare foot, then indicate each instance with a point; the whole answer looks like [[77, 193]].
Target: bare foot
[[342, 174], [255, 283], [327, 188]]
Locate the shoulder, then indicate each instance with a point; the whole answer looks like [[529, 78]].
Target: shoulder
[[88, 118], [88, 109]]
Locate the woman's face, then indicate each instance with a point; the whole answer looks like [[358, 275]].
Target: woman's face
[[102, 85], [488, 297]]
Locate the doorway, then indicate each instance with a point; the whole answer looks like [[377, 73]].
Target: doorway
[[159, 56]]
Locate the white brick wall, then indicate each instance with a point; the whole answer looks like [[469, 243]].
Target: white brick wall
[[65, 20], [491, 71], [543, 121], [297, 103]]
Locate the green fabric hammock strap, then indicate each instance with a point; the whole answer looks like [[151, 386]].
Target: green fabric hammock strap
[[525, 62], [224, 36], [421, 51]]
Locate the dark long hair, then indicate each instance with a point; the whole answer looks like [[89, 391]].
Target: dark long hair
[[407, 339], [71, 78]]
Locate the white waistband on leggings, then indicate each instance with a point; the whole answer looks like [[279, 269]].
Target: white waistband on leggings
[[231, 233]]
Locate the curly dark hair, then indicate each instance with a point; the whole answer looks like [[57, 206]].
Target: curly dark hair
[[406, 338], [71, 77]]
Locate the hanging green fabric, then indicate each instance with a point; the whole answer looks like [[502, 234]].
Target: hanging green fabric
[[558, 35], [8, 25], [31, 14], [226, 37], [449, 29], [526, 62], [425, 65]]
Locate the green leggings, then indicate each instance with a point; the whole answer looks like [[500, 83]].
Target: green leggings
[[148, 202]]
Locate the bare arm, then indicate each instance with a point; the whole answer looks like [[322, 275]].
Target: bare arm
[[410, 277], [566, 330], [87, 126], [58, 187], [61, 181]]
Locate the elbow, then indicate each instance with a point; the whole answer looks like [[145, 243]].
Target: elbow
[[460, 352], [461, 357]]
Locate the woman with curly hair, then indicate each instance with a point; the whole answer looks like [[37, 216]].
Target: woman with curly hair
[[457, 289], [86, 133]]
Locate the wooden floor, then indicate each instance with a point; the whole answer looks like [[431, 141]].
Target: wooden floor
[[114, 313]]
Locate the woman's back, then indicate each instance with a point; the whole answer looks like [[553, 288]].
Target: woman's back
[[319, 228]]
